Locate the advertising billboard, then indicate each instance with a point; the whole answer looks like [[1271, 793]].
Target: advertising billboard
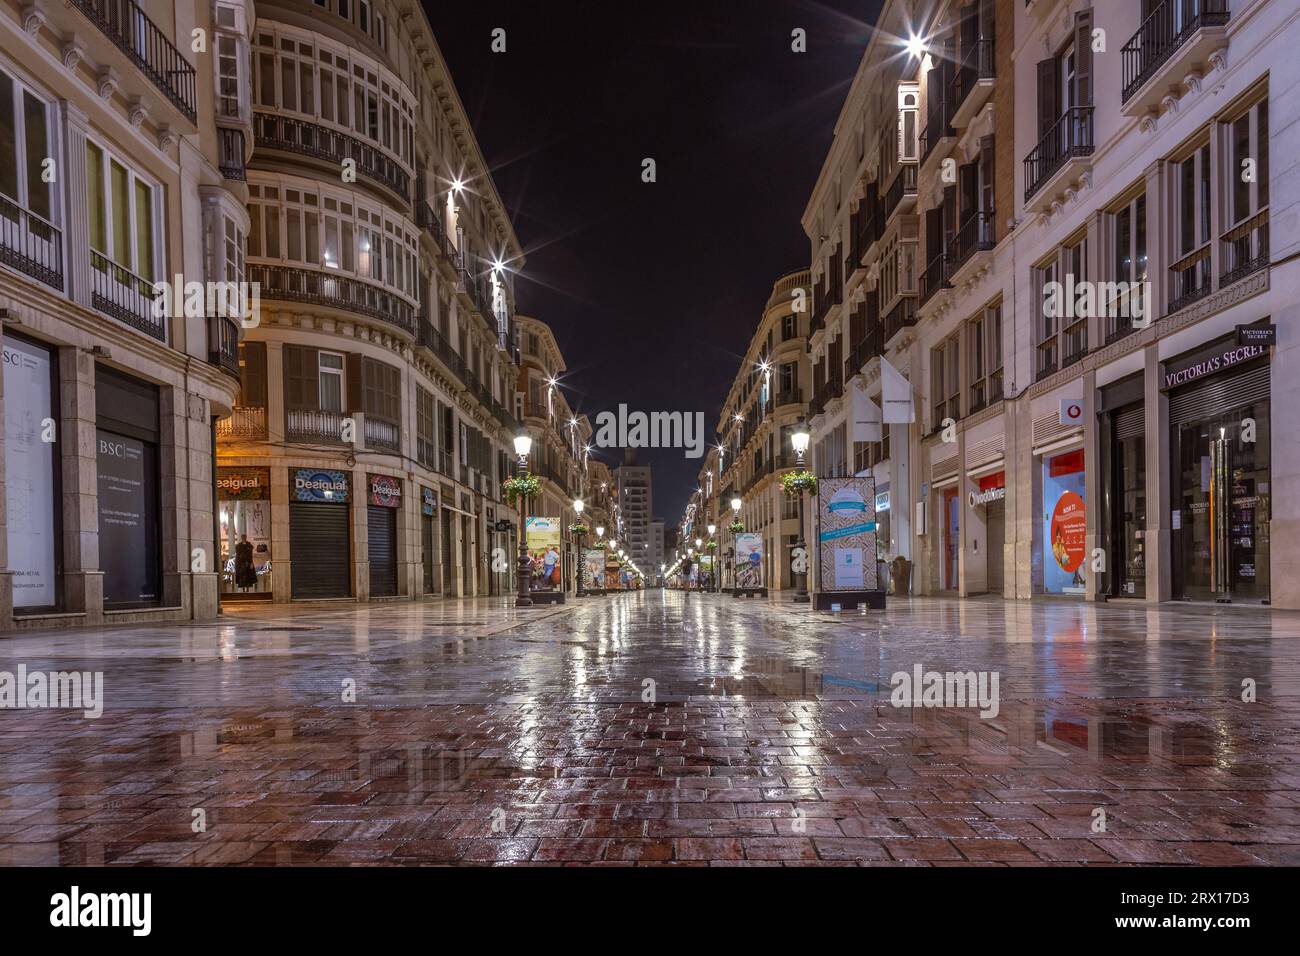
[[593, 569], [29, 472], [846, 534], [749, 560], [543, 539]]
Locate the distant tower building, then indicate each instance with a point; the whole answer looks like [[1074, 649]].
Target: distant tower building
[[635, 508], [656, 550]]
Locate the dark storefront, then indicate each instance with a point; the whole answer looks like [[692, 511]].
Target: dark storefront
[[244, 503], [319, 538], [1219, 450], [1122, 529], [382, 505], [126, 444]]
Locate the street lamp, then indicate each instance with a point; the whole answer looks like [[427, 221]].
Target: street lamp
[[713, 562], [523, 444], [799, 439], [577, 510]]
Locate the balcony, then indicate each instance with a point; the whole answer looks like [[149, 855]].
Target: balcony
[[125, 296], [973, 83], [1060, 154], [230, 161], [1245, 249], [868, 347], [792, 396], [1189, 279], [381, 435], [290, 135], [1178, 34], [901, 190], [985, 392], [975, 238], [938, 130], [246, 423], [223, 344], [125, 23], [313, 426], [30, 244], [431, 224], [290, 284], [936, 277], [901, 316]]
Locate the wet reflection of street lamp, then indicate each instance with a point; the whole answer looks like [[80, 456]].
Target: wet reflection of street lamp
[[577, 510], [523, 444], [735, 547], [799, 439]]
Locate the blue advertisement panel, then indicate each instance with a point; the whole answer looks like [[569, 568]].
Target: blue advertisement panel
[[1065, 526], [749, 560]]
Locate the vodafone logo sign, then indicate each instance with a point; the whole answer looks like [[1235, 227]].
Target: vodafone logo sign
[[1071, 411]]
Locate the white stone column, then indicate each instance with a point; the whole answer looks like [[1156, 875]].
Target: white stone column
[[1158, 543], [83, 581]]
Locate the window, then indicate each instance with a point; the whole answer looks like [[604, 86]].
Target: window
[[908, 125], [984, 347], [121, 215], [228, 57], [330, 373], [1061, 329], [1129, 244], [25, 143], [1245, 243], [945, 382], [789, 327]]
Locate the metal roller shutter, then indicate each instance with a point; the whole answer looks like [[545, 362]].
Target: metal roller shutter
[[1130, 423], [320, 550], [382, 550], [1219, 394]]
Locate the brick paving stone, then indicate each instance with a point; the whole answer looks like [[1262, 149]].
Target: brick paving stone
[[498, 753]]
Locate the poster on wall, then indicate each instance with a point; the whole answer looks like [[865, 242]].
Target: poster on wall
[[593, 569], [29, 472], [1065, 525], [749, 560], [543, 538], [846, 534], [128, 518]]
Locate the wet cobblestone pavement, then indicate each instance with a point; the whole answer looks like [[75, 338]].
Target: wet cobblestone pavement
[[482, 734]]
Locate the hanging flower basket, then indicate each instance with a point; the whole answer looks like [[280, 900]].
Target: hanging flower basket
[[526, 486], [711, 546], [578, 528], [795, 482], [736, 527], [601, 545]]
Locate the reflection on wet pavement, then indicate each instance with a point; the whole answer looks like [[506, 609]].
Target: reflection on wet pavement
[[661, 727]]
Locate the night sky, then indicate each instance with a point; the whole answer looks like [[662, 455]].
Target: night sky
[[653, 290]]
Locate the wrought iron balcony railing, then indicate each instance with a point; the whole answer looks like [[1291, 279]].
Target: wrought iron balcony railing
[[125, 23], [125, 296], [976, 65], [382, 434], [974, 235], [1160, 36], [230, 161], [901, 316], [1069, 137], [1189, 279], [341, 292], [904, 184], [313, 426], [1245, 249], [244, 422], [936, 276], [223, 343], [30, 244], [292, 135]]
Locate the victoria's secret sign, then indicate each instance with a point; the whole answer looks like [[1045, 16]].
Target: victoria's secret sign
[[1209, 363]]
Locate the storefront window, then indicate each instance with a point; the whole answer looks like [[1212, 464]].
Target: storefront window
[[244, 496], [1064, 524], [1224, 505]]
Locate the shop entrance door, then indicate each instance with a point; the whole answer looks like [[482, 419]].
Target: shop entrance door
[[995, 535], [951, 538]]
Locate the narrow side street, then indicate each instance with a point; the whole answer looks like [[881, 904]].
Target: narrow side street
[[661, 726]]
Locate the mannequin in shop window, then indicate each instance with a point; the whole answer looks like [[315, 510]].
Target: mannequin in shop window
[[245, 572]]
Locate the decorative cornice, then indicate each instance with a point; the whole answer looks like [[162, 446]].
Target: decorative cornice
[[167, 138], [72, 53], [136, 114], [33, 19], [107, 82]]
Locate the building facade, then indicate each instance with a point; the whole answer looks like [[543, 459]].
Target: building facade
[[110, 183], [373, 427], [767, 399], [1101, 323]]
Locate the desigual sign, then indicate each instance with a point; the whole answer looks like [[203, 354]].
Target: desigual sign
[[385, 491], [1200, 367], [243, 483], [309, 485]]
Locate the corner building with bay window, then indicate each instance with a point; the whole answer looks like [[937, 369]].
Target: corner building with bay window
[[1125, 446], [365, 450]]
